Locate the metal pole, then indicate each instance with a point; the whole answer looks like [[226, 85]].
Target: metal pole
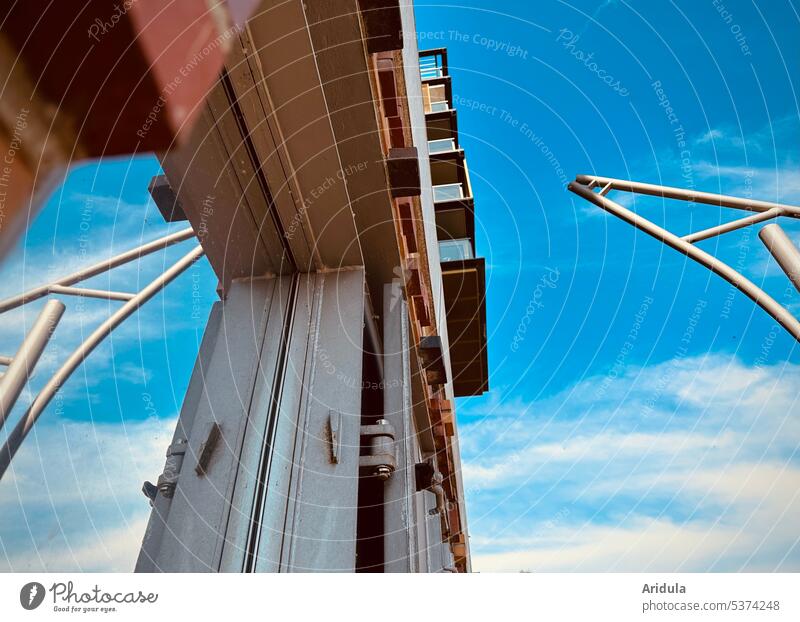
[[90, 293], [734, 225], [783, 250], [683, 194], [23, 362], [98, 268], [761, 298], [41, 401]]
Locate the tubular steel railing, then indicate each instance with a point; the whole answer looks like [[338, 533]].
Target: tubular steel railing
[[594, 189], [20, 366]]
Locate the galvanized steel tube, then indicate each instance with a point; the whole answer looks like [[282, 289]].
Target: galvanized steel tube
[[41, 401], [783, 250], [23, 362]]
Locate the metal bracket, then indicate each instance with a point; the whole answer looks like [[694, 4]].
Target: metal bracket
[[334, 435], [207, 449], [150, 490], [168, 480]]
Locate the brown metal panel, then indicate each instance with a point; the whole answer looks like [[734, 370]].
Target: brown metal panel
[[465, 303], [254, 103], [403, 167], [347, 80], [383, 25]]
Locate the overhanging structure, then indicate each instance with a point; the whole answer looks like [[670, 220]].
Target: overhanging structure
[[318, 431], [324, 180]]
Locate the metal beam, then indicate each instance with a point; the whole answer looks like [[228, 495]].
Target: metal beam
[[683, 194], [733, 225], [98, 268], [90, 293], [761, 298]]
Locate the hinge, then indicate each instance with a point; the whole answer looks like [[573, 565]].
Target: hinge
[[168, 480], [381, 461]]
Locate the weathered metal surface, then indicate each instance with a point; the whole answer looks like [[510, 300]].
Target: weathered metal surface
[[320, 527], [287, 353], [207, 449], [151, 542], [220, 391], [400, 522]]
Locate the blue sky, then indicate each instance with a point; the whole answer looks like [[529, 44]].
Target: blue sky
[[643, 414]]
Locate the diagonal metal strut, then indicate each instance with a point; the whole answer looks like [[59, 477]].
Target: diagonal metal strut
[[584, 186], [21, 365]]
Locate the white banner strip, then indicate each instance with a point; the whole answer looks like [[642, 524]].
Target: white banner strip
[[484, 597]]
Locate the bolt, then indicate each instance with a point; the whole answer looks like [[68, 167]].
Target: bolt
[[167, 489], [383, 472]]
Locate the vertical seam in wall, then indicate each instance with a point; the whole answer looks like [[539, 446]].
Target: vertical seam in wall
[[309, 369], [265, 460], [252, 153], [266, 312]]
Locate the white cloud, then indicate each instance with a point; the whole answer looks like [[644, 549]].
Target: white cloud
[[112, 550], [779, 183], [711, 135], [687, 465], [72, 500]]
